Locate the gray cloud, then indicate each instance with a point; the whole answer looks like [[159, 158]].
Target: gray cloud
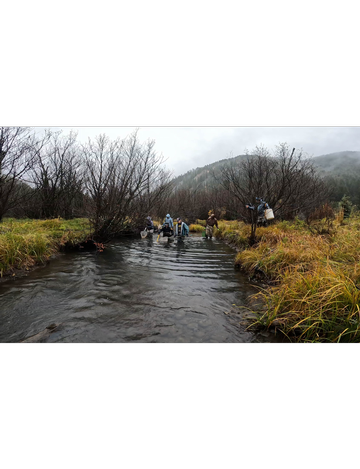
[[190, 147], [314, 141]]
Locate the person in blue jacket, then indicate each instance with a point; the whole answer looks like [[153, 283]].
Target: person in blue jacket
[[169, 220], [166, 230], [181, 228]]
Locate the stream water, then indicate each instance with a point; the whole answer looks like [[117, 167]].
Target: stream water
[[137, 290]]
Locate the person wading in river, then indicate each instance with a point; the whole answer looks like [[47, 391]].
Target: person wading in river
[[149, 225], [210, 222], [166, 230], [181, 228], [169, 220]]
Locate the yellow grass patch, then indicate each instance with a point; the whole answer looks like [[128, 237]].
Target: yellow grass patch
[[316, 295], [196, 228], [24, 243]]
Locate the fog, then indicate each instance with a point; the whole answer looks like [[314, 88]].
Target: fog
[[186, 148]]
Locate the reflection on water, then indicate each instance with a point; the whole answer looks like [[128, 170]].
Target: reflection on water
[[136, 290]]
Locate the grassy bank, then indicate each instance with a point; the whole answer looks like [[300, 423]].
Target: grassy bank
[[26, 243], [313, 291], [195, 228]]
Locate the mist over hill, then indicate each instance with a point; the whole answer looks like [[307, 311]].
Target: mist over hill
[[338, 163], [203, 177], [333, 164]]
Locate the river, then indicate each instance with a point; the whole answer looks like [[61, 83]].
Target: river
[[137, 290]]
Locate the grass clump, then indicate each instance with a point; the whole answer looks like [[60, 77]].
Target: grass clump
[[321, 304], [235, 233], [25, 243], [201, 222], [194, 228], [313, 292]]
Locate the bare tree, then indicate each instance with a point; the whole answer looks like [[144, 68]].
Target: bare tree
[[287, 180], [125, 181], [57, 176], [18, 149]]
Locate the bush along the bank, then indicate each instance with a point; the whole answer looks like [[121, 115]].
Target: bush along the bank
[[313, 280], [25, 243]]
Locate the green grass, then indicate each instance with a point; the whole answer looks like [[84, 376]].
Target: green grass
[[25, 243]]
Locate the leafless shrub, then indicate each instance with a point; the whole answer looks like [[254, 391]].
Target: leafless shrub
[[286, 180], [18, 149], [124, 182], [57, 176], [320, 221]]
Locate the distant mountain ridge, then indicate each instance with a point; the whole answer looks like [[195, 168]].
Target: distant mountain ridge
[[200, 177], [339, 163]]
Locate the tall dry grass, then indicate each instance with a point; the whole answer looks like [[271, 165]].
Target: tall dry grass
[[24, 243], [315, 292], [194, 228], [321, 304]]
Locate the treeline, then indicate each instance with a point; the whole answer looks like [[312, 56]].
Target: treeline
[[345, 184], [115, 183], [285, 179]]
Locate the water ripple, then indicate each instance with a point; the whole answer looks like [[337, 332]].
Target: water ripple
[[135, 291]]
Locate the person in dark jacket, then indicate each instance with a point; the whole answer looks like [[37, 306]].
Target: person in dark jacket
[[149, 225], [210, 223], [166, 230]]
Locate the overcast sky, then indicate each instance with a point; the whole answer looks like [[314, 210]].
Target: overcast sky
[[186, 148]]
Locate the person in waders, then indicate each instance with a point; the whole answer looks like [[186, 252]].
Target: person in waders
[[181, 228], [166, 230], [210, 222], [170, 222], [149, 225]]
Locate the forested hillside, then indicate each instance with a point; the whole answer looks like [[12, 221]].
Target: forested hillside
[[344, 162], [204, 177], [332, 164], [340, 169]]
